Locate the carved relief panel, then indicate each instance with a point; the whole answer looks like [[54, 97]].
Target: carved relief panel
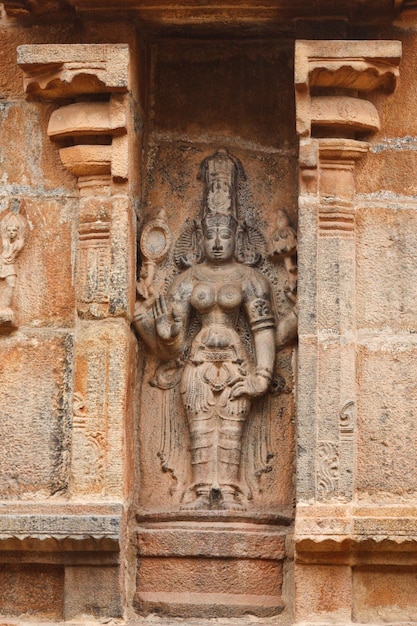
[[13, 232], [216, 301]]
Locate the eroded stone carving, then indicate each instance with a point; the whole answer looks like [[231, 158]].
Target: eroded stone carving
[[328, 469], [13, 228], [194, 329], [283, 246], [154, 245]]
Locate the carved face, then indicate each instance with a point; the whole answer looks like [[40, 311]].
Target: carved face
[[12, 232], [219, 243]]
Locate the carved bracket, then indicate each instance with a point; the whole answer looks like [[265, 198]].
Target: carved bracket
[[332, 79], [59, 71], [356, 67], [93, 145]]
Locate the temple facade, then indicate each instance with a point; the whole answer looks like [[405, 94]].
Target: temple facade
[[208, 326]]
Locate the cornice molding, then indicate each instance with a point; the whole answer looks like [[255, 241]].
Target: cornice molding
[[164, 12]]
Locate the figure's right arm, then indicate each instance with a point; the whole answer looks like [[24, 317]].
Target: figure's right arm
[[163, 327], [144, 323]]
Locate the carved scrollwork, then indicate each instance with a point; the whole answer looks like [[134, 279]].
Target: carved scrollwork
[[328, 470], [347, 418]]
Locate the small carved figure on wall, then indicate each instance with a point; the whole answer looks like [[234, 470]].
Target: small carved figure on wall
[[219, 376], [12, 232], [154, 244], [283, 246]]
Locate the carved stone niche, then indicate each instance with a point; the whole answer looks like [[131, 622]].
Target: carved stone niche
[[215, 426]]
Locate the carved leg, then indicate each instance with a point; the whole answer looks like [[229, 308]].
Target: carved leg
[[10, 285], [230, 500], [6, 313], [229, 458], [202, 448]]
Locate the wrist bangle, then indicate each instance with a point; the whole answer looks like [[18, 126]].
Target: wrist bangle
[[264, 372]]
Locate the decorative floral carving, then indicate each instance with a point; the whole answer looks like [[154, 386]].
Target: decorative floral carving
[[347, 418], [90, 465], [328, 469]]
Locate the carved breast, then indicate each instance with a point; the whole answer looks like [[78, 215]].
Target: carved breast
[[229, 296], [204, 297]]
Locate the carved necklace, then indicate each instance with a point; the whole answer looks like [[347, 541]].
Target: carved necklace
[[218, 273]]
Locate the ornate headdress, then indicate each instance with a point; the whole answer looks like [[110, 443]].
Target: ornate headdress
[[221, 173], [13, 218]]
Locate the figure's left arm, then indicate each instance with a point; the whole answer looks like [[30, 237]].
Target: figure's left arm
[[259, 311]]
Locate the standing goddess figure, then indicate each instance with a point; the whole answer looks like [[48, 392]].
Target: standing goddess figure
[[219, 377]]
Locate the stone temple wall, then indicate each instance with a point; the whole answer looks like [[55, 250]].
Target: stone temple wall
[[106, 119]]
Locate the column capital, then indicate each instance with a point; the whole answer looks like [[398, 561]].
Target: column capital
[[331, 78]]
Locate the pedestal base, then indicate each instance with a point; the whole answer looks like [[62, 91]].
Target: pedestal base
[[208, 604], [210, 568]]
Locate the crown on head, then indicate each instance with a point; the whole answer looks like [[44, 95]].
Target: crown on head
[[216, 220], [220, 167], [220, 173]]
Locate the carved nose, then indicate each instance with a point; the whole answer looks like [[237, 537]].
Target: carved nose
[[217, 244]]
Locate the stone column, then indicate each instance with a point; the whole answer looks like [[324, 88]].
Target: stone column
[[93, 141], [332, 80]]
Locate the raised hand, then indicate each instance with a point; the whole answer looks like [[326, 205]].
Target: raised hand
[[167, 320]]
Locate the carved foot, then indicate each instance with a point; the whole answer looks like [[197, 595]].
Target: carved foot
[[231, 503], [201, 503], [6, 317]]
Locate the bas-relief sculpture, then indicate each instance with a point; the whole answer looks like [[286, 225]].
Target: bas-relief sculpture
[[13, 228], [215, 331]]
